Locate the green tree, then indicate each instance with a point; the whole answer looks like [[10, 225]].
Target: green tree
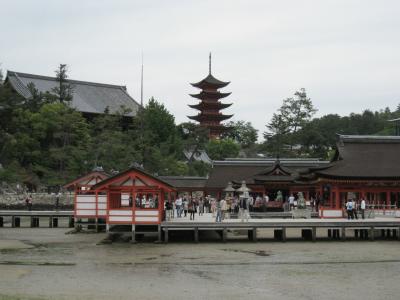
[[242, 132], [221, 149], [291, 117], [64, 90]]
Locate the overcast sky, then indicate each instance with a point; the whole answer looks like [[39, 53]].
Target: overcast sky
[[345, 53]]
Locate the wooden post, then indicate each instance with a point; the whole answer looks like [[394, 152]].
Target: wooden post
[[314, 234], [343, 234], [71, 222], [224, 235], [166, 234], [284, 234], [1, 222], [133, 241], [254, 234], [50, 222], [159, 234], [371, 234], [196, 234]]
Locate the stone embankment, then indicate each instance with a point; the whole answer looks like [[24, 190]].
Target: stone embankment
[[40, 201]]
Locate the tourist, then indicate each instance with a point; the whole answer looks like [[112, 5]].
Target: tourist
[[178, 205], [168, 209], [291, 202], [30, 200], [317, 202], [223, 208], [191, 208], [58, 200], [355, 208], [251, 203], [201, 206], [185, 206], [213, 207], [349, 209], [218, 219], [266, 200], [244, 208], [362, 207]]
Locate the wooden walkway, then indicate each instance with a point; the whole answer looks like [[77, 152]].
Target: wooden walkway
[[335, 227], [53, 217]]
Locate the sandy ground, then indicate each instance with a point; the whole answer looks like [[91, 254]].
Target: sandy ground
[[48, 264]]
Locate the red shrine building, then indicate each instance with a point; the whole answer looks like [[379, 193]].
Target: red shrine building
[[210, 105], [132, 197]]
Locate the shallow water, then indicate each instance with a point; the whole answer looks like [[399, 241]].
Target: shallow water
[[46, 263]]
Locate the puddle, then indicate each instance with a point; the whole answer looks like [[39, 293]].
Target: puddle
[[255, 252]]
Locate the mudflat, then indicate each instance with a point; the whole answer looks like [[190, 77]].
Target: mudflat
[[49, 264]]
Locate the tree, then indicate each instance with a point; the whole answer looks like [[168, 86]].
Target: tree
[[291, 117], [242, 132], [194, 138], [63, 92], [221, 149]]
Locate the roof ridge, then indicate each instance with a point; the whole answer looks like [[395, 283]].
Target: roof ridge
[[123, 87]]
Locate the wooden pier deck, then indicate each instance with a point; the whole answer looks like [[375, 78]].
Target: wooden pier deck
[[15, 217], [335, 227]]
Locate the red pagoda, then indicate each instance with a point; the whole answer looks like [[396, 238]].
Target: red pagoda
[[210, 106]]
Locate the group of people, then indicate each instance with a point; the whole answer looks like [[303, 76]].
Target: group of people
[[220, 209], [353, 207]]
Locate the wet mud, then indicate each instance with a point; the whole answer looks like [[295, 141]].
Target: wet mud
[[49, 264]]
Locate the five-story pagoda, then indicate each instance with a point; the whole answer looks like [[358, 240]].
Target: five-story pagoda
[[210, 106]]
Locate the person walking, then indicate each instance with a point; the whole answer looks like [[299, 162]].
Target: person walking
[[58, 196], [218, 219], [291, 202], [192, 208], [244, 208], [168, 209], [178, 205], [30, 200], [185, 207], [362, 207], [355, 208], [213, 207], [349, 209], [201, 207], [223, 209]]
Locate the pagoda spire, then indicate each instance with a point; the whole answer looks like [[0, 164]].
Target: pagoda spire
[[209, 64], [210, 105]]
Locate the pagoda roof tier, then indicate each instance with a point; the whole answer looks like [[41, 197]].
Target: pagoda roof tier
[[210, 117], [219, 127], [210, 82], [216, 105], [210, 95]]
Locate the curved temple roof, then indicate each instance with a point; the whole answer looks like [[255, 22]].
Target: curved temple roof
[[210, 81], [88, 97]]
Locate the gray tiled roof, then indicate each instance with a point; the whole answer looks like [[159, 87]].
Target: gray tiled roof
[[88, 97], [365, 157], [236, 170], [189, 182]]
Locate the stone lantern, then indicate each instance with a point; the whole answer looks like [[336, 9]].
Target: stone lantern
[[244, 190], [229, 190]]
